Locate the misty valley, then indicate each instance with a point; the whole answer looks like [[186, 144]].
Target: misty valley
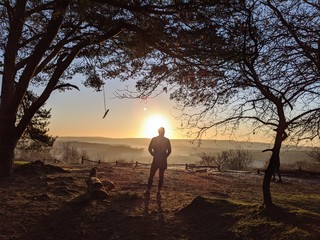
[[183, 151]]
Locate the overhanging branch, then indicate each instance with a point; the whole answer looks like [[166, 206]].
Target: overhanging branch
[[67, 85]]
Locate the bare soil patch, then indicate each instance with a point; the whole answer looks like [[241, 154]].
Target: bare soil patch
[[42, 202]]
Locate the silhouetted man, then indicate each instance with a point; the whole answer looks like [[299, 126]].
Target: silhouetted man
[[160, 149]]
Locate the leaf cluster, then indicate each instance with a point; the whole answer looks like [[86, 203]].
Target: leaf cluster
[[36, 136]]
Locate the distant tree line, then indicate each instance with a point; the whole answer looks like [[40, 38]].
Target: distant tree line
[[65, 152]]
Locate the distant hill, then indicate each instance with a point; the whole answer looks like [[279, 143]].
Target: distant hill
[[135, 149]]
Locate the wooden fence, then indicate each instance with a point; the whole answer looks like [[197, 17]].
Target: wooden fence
[[83, 159], [186, 166], [136, 164]]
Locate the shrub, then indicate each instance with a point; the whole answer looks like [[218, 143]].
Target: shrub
[[314, 154], [236, 159], [68, 152], [206, 159], [210, 160]]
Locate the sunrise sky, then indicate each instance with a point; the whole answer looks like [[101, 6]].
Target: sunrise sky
[[79, 113]]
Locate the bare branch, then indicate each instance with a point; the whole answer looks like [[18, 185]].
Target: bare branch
[[66, 85]]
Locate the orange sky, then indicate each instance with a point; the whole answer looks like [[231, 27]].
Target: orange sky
[[79, 113]]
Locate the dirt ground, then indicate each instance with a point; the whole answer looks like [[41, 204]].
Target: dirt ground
[[42, 202]]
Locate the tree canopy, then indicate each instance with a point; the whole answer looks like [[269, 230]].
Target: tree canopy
[[252, 62], [259, 64], [46, 43]]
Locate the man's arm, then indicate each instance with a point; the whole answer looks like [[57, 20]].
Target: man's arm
[[150, 148], [168, 148]]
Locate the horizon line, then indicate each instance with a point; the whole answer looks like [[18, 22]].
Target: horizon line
[[186, 139]]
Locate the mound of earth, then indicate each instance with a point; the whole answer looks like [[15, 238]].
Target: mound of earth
[[209, 218], [38, 168]]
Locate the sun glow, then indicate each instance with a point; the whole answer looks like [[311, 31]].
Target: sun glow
[[153, 123]]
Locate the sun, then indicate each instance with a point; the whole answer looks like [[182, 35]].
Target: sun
[[153, 123]]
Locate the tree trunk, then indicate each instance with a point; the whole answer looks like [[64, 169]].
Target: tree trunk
[[8, 141], [274, 159], [6, 158], [267, 200]]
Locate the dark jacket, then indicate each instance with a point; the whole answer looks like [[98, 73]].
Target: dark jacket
[[160, 149]]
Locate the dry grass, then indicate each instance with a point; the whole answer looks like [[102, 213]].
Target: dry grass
[[43, 205]]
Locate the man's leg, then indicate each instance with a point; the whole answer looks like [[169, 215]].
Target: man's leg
[[161, 178], [152, 173]]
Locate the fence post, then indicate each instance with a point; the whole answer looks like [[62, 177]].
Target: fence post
[[82, 159], [99, 162]]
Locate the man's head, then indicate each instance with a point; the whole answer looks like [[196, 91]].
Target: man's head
[[161, 131]]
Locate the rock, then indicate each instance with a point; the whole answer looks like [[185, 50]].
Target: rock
[[99, 194], [108, 185], [93, 184], [95, 188]]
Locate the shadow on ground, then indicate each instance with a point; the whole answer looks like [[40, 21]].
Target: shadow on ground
[[50, 207], [203, 218], [226, 219]]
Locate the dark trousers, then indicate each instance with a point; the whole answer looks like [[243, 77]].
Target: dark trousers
[[161, 176]]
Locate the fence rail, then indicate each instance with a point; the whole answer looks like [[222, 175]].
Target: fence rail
[[83, 159], [186, 166], [134, 164]]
